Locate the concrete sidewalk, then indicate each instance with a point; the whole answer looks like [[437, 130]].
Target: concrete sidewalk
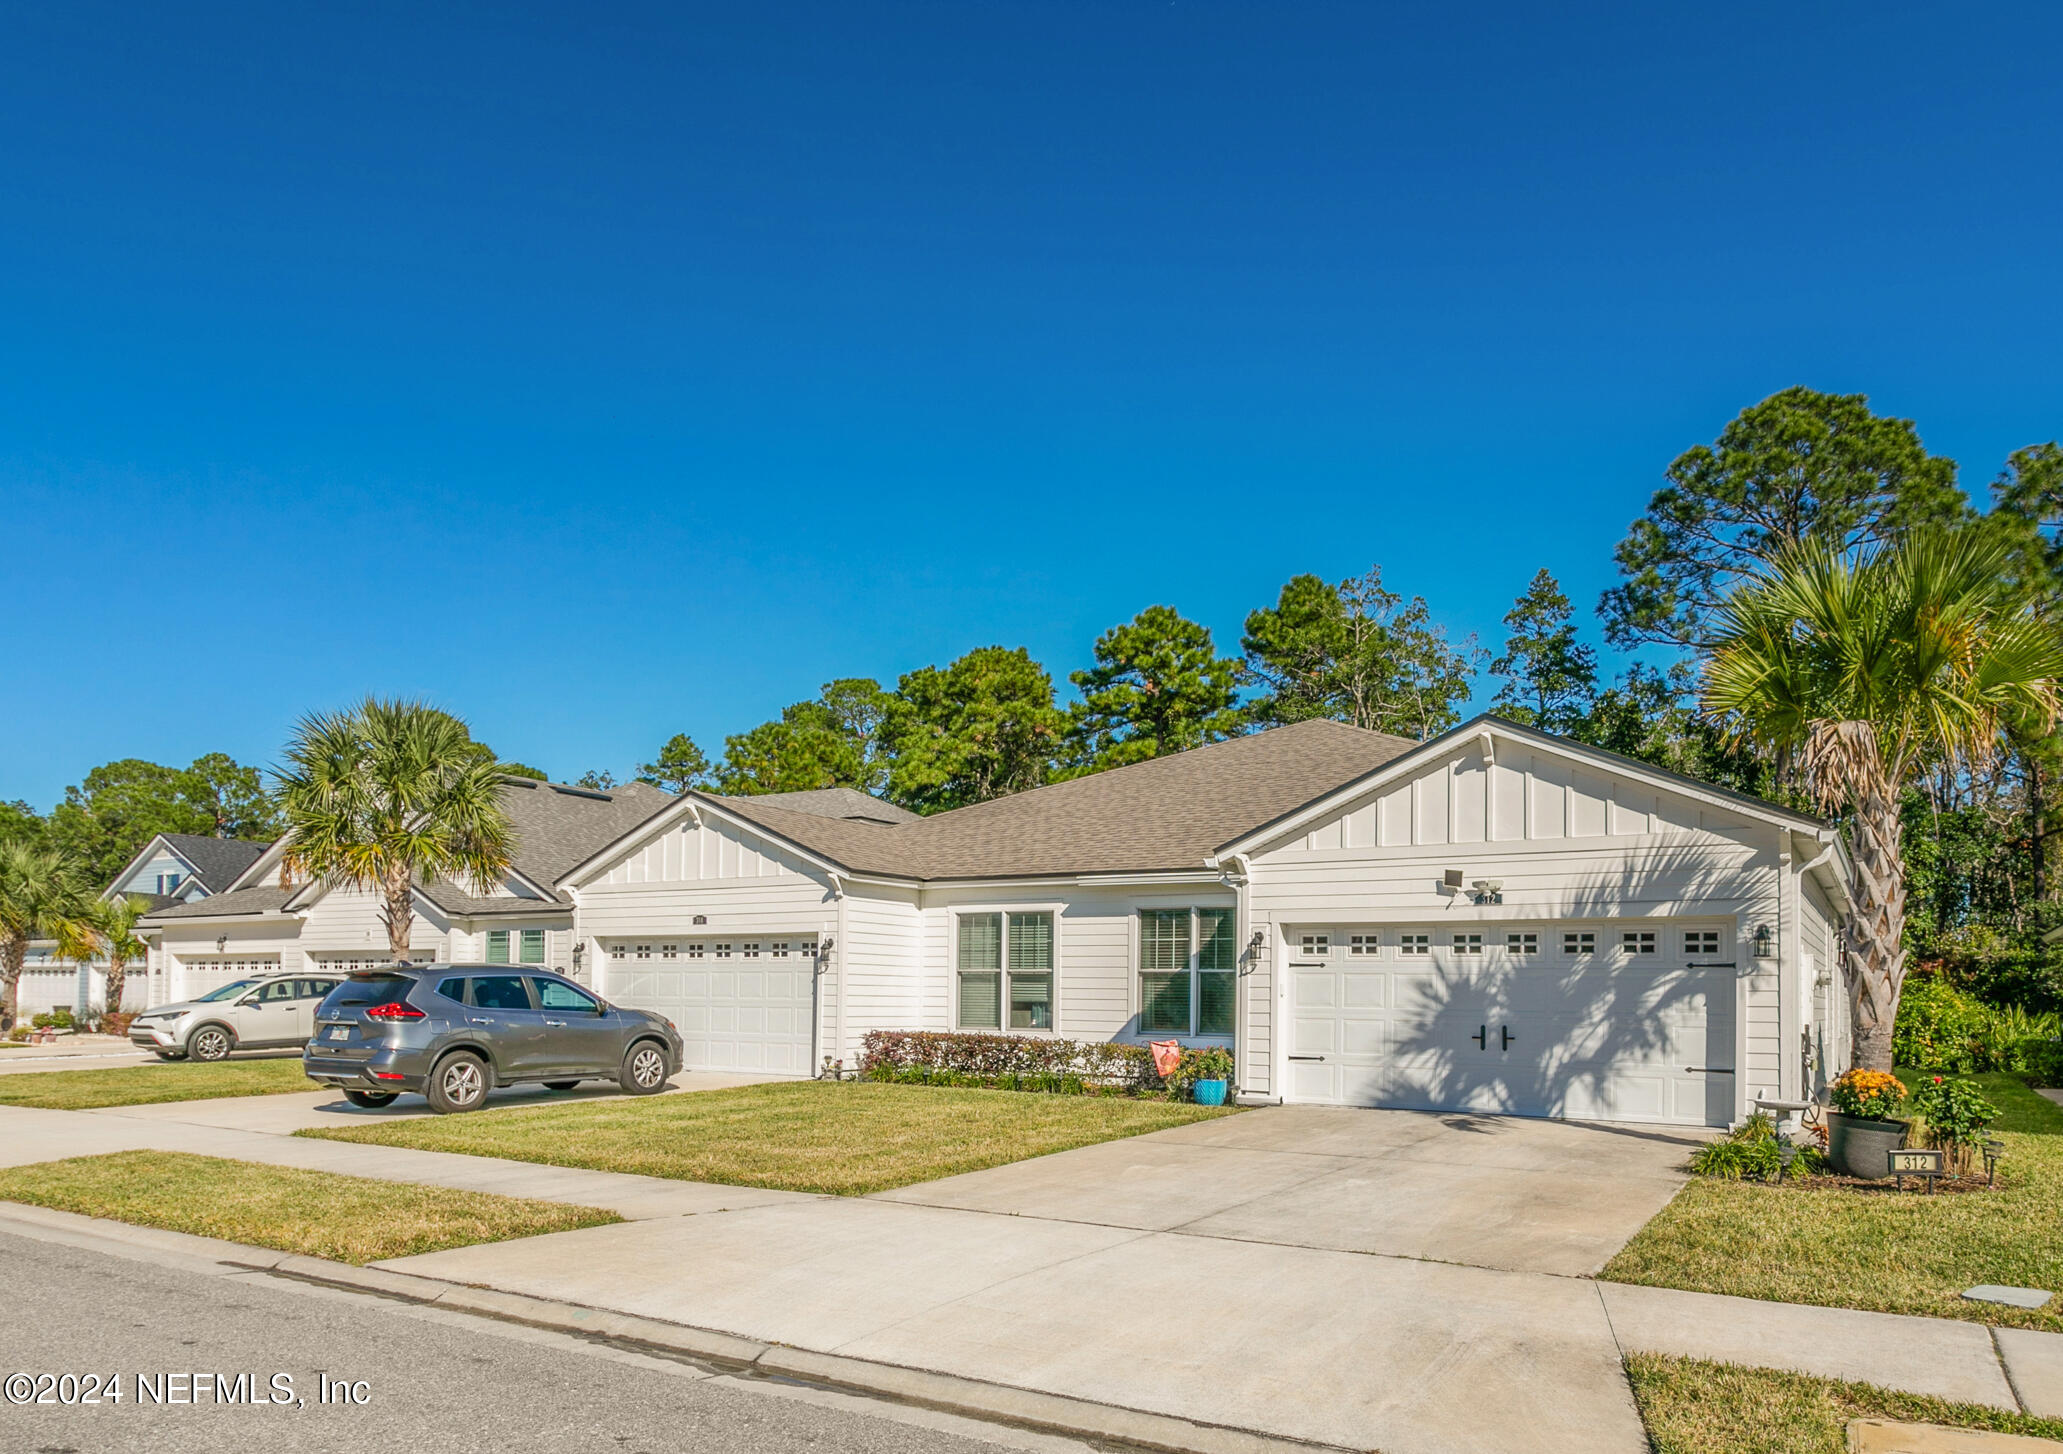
[[1346, 1348]]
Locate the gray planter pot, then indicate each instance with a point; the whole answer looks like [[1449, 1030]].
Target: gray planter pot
[[1860, 1146]]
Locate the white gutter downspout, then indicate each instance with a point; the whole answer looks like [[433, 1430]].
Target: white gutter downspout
[[841, 952], [1240, 880]]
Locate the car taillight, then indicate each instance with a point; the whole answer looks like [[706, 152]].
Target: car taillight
[[394, 1010]]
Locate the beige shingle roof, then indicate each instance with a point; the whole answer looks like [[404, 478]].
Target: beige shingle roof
[[1170, 813]]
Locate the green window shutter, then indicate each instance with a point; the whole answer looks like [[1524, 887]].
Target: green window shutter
[[533, 946], [497, 946], [981, 1001], [981, 941]]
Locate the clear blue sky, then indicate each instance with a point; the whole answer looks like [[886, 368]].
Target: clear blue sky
[[601, 373]]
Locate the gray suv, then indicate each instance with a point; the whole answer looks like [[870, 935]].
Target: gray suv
[[452, 1032]]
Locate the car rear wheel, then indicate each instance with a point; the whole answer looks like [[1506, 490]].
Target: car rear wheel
[[560, 1084], [369, 1099], [644, 1069], [211, 1042], [459, 1083]]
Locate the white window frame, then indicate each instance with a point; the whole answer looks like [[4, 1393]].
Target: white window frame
[[1364, 946], [1639, 941], [1470, 945], [1414, 945], [1700, 941], [1574, 945], [1194, 969], [1522, 942], [1056, 910]]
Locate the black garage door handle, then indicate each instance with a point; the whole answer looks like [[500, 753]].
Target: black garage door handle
[[1307, 1057]]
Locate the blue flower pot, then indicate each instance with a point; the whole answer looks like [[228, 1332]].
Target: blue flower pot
[[1209, 1092]]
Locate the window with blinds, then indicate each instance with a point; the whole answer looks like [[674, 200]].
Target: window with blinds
[[1003, 964], [1188, 971]]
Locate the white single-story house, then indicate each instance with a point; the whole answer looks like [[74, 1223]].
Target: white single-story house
[[1493, 920], [172, 868]]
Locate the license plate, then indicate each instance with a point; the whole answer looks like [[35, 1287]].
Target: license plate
[[340, 1032]]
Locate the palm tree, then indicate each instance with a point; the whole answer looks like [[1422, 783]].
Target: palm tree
[[388, 795], [114, 926], [41, 897], [1865, 670]]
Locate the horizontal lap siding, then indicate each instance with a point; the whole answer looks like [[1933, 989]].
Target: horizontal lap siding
[[1094, 953], [881, 958]]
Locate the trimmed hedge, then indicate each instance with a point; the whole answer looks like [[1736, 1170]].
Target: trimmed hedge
[[1007, 1062]]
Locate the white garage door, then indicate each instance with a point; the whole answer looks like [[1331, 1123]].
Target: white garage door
[[1593, 1021], [200, 973], [741, 1004]]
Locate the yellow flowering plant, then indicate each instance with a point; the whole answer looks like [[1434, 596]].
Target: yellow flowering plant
[[1872, 1094]]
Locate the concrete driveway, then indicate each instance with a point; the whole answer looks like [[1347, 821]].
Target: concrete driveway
[[1484, 1191]]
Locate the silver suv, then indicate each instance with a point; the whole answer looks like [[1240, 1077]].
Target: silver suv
[[249, 1014], [452, 1032]]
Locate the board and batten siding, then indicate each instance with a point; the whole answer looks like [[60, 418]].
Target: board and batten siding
[[1095, 948], [1566, 841], [742, 883]]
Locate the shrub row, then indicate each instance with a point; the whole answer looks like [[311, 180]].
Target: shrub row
[[1014, 1062], [1945, 1029]]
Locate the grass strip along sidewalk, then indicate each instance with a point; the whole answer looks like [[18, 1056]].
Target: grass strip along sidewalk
[[1880, 1251], [1691, 1407], [841, 1138], [143, 1085], [352, 1219]]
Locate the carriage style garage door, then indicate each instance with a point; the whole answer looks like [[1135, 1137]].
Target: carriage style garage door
[[1594, 1021], [200, 973], [741, 1004]]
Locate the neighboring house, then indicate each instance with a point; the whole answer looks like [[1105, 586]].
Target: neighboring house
[[266, 922], [1495, 920], [173, 868]]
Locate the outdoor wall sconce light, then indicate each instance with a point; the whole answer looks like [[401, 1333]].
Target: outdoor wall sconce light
[[1765, 941], [1255, 945], [221, 942], [579, 951]]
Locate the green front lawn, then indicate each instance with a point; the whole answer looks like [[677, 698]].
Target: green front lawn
[[1884, 1252], [1715, 1408], [844, 1138], [316, 1213], [142, 1085]]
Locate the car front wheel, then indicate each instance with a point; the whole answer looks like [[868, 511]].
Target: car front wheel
[[644, 1069], [211, 1042], [459, 1083]]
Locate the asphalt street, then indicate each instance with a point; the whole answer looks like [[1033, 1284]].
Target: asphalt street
[[431, 1380]]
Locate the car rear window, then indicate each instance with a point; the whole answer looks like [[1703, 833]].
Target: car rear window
[[371, 990]]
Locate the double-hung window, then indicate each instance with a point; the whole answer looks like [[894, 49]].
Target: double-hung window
[[1004, 964], [1188, 971]]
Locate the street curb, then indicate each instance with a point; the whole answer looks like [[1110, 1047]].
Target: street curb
[[1026, 1408]]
